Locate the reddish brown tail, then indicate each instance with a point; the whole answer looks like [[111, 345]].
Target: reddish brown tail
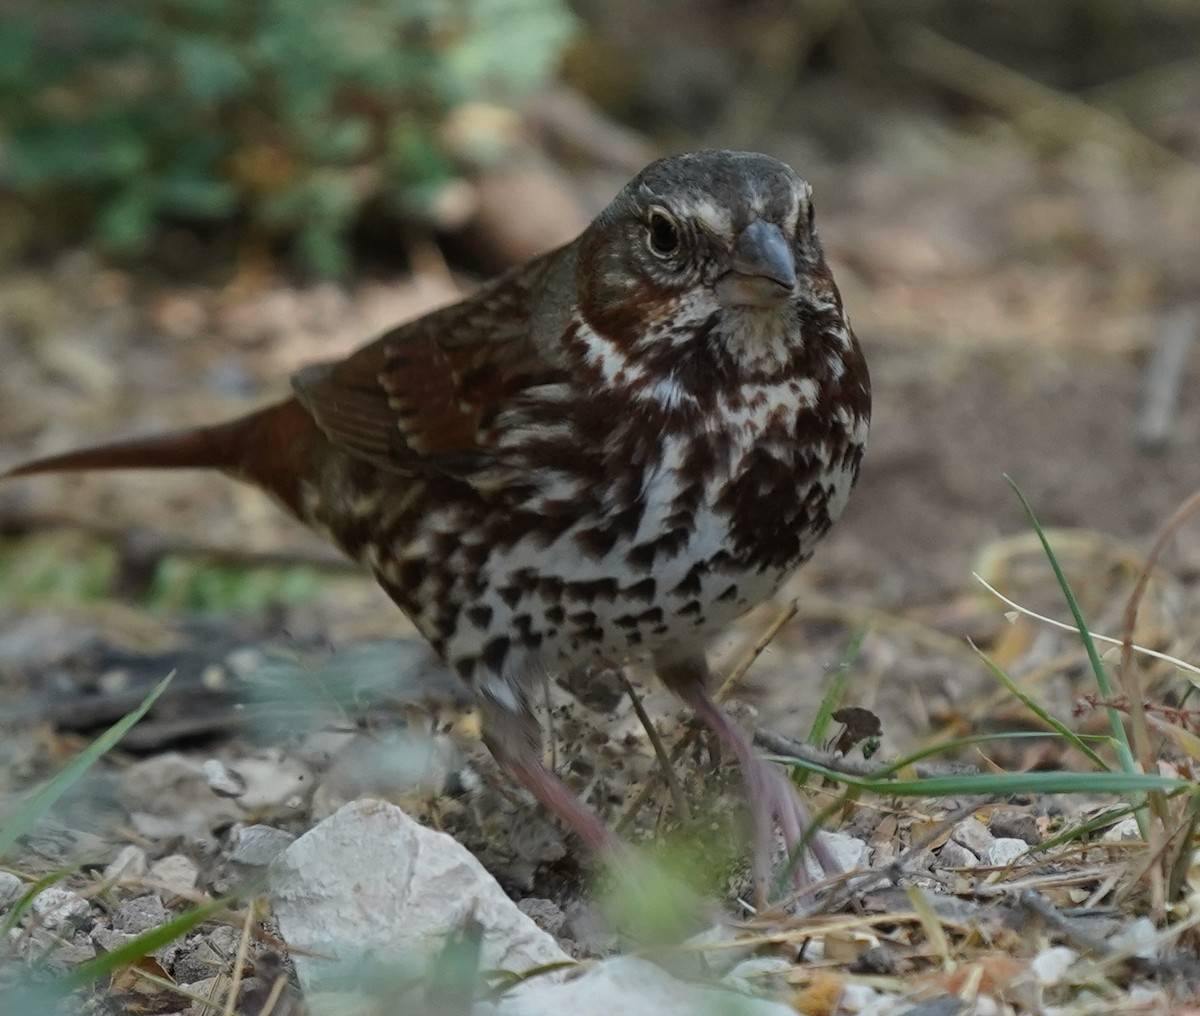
[[272, 448]]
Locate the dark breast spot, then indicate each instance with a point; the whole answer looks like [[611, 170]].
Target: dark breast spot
[[495, 653], [643, 590], [590, 592], [480, 616]]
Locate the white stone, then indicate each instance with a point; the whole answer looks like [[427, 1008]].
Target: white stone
[[852, 853], [953, 854], [630, 987], [1125, 831], [56, 907], [1138, 939], [1049, 966], [1004, 850], [11, 889], [177, 873], [974, 835], [370, 882], [857, 998], [130, 862]]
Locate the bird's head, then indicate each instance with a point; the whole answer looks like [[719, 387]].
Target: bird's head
[[710, 247]]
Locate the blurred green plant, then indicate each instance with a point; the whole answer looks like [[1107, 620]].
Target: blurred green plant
[[287, 116]]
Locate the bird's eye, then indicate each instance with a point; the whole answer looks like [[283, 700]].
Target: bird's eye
[[663, 233]]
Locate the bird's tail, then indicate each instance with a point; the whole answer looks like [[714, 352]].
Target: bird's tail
[[271, 448]]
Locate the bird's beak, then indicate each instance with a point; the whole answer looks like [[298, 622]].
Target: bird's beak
[[764, 268]]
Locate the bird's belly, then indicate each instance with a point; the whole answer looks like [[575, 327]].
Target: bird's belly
[[655, 590]]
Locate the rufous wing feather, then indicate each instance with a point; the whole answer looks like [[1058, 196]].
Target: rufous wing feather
[[423, 396]]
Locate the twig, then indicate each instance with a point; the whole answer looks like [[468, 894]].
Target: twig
[[239, 961], [660, 752], [688, 737], [755, 651]]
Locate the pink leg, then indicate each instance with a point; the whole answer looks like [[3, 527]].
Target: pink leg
[[772, 796], [514, 739]]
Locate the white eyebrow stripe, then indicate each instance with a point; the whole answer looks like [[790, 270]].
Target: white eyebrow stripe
[[712, 216]]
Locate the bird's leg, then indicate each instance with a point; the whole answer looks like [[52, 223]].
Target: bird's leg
[[771, 795], [512, 734]]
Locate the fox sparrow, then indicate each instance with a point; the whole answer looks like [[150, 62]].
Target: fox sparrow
[[606, 454]]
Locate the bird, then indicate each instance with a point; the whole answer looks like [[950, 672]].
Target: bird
[[604, 455]]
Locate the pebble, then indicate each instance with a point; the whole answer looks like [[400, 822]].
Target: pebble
[[1004, 851], [546, 914], [1138, 939], [140, 914], [177, 872], [851, 853], [974, 835], [57, 907], [109, 939], [11, 889], [1125, 831], [130, 862], [258, 845], [954, 855], [1049, 966]]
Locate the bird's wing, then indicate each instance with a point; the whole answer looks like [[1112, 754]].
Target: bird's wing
[[423, 396]]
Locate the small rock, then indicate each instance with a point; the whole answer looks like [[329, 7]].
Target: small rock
[[1049, 966], [109, 939], [130, 862], [59, 908], [1017, 824], [851, 853], [196, 961], [212, 988], [857, 998], [258, 845], [177, 873], [546, 914], [370, 881], [1125, 831], [140, 914], [954, 855], [974, 835], [1138, 939], [11, 889], [1004, 851]]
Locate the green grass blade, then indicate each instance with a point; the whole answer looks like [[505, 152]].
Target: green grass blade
[[44, 799], [1034, 707], [1114, 718], [833, 697], [1003, 784]]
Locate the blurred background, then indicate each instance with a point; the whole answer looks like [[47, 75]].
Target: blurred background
[[199, 196]]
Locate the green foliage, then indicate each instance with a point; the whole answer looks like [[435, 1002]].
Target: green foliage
[[287, 115], [53, 569]]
